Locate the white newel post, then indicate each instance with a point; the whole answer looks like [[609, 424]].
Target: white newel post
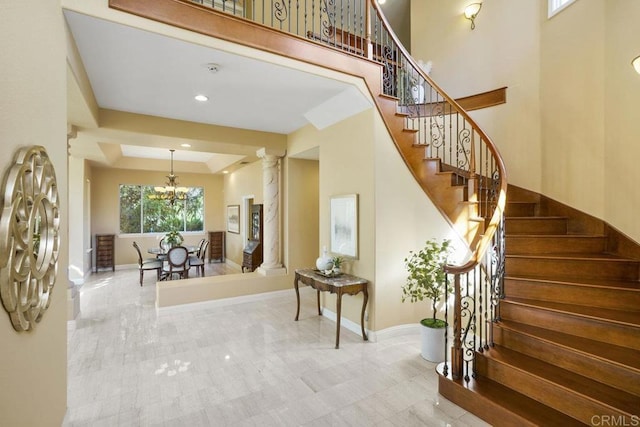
[[271, 264]]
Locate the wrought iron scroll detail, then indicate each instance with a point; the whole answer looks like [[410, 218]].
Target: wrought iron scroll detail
[[498, 263], [29, 237], [280, 11], [328, 18], [464, 149], [389, 83], [468, 309]]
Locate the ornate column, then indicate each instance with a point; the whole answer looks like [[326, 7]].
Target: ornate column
[[271, 264]]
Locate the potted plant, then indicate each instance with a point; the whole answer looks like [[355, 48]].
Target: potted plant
[[173, 238], [337, 264], [427, 281]]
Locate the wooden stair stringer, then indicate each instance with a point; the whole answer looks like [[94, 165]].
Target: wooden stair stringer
[[451, 199]]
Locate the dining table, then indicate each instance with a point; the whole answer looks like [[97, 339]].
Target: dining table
[[157, 250]]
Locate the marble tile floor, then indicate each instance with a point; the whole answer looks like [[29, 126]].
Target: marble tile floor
[[244, 364]]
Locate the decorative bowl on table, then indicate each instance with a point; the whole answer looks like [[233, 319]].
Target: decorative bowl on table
[[328, 273]]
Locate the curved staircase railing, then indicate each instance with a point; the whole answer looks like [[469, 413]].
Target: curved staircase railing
[[448, 133], [454, 161]]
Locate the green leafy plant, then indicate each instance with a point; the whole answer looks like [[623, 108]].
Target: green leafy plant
[[427, 279], [173, 238], [337, 261]]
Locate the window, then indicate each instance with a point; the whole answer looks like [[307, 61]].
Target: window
[[556, 6], [140, 214]]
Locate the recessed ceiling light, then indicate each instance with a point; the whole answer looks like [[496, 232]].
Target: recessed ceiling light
[[201, 98], [213, 68], [225, 171], [185, 145]]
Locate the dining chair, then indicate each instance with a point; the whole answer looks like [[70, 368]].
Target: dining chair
[[146, 264], [177, 262], [164, 248], [200, 244], [197, 260]]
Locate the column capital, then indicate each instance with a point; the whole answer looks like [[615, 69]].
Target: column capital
[[270, 152], [72, 131]]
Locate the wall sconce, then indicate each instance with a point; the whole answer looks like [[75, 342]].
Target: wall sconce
[[471, 11], [636, 64]]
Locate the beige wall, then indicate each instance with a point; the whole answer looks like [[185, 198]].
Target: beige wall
[[590, 123], [569, 127], [405, 219], [238, 186], [345, 167], [33, 368], [572, 95], [76, 212], [301, 189], [503, 50], [622, 127], [105, 186], [395, 215]]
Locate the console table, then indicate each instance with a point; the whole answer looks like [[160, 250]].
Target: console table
[[343, 284]]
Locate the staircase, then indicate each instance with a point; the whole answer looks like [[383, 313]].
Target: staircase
[[567, 342], [552, 307]]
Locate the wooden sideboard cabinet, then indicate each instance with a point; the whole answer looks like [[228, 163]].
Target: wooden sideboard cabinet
[[216, 246], [105, 251]]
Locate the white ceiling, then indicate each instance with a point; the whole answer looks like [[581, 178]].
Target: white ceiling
[[161, 153], [137, 71]]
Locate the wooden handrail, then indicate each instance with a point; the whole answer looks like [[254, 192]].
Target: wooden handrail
[[485, 241]]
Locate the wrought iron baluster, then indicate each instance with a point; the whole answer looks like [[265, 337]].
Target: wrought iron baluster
[[445, 367]]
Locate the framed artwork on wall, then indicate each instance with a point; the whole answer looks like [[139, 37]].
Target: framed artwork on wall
[[343, 212], [233, 219]]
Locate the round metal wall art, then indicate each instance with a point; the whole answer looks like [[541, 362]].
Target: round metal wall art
[[29, 237]]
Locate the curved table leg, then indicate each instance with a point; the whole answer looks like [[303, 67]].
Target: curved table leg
[[295, 285], [319, 311], [364, 305], [339, 310]]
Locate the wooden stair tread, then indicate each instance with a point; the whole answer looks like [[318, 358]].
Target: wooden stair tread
[[517, 403], [594, 390], [628, 318], [558, 236], [587, 282], [574, 256], [534, 218], [606, 351]]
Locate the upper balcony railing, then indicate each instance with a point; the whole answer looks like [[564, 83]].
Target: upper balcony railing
[[444, 129]]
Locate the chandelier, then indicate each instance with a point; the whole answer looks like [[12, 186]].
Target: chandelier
[[170, 192]]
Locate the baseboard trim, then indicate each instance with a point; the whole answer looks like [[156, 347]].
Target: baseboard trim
[[398, 331], [374, 336]]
